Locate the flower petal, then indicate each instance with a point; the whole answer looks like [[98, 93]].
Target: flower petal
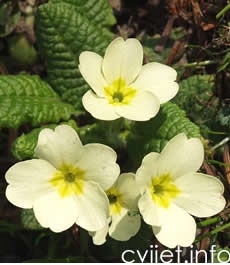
[[159, 79], [23, 196], [123, 226], [28, 180], [151, 212], [99, 163], [127, 186], [146, 171], [59, 146], [179, 228], [91, 69], [143, 107], [55, 212], [200, 194], [92, 207], [30, 172], [98, 107], [99, 237], [89, 210], [181, 155], [123, 59]]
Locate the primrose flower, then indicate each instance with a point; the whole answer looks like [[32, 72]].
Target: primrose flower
[[123, 197], [65, 184], [171, 190], [121, 86]]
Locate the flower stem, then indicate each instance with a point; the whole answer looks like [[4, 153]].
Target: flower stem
[[213, 232], [221, 143], [113, 131], [217, 163], [209, 221], [195, 64], [223, 11], [214, 220], [216, 132]]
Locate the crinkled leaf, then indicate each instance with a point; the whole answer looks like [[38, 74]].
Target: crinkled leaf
[[196, 97], [9, 17], [223, 116], [152, 135], [29, 220], [23, 146], [99, 11], [28, 99], [109, 133], [221, 255], [63, 33]]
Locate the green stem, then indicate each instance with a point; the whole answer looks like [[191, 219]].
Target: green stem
[[213, 232], [209, 221], [195, 64], [217, 163], [113, 132], [216, 132], [221, 143], [223, 11]]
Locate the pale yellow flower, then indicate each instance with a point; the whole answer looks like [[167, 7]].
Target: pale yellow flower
[[171, 190], [121, 86], [122, 223], [66, 184]]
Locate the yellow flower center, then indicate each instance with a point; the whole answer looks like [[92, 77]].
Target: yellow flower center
[[68, 180], [115, 200], [119, 93], [163, 190]]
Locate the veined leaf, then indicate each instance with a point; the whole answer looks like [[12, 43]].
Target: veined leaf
[[28, 99], [196, 96], [221, 255], [152, 135], [99, 11], [29, 220], [63, 33], [223, 116]]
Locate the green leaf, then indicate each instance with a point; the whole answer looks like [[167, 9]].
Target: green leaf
[[9, 18], [149, 44], [196, 97], [22, 51], [63, 33], [29, 220], [222, 255], [23, 147], [108, 133], [28, 99], [223, 116], [99, 11], [152, 135]]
